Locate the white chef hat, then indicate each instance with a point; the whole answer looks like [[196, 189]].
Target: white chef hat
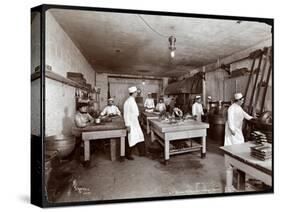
[[132, 89], [197, 97], [110, 99], [238, 96]]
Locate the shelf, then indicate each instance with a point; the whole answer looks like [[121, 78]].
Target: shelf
[[58, 78]]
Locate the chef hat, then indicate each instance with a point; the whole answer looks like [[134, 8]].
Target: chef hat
[[238, 96], [110, 99], [197, 97], [149, 93], [132, 89], [209, 97]]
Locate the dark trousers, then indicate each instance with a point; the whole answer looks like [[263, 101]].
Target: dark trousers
[[140, 146]]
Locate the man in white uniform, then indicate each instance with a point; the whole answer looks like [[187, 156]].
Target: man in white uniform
[[197, 109], [111, 109], [135, 134], [149, 103], [161, 107], [235, 117]]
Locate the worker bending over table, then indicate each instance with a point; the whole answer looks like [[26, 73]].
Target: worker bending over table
[[82, 117]]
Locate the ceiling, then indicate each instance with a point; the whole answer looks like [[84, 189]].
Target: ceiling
[[138, 44]]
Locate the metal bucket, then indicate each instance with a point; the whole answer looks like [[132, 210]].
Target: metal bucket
[[61, 143]]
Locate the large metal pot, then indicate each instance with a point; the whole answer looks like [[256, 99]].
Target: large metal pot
[[217, 127], [61, 143]]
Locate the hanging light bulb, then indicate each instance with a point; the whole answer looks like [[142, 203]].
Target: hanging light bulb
[[172, 47], [172, 54]]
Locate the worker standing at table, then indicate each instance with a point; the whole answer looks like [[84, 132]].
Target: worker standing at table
[[111, 109], [135, 134], [149, 103], [197, 109], [161, 107], [233, 125]]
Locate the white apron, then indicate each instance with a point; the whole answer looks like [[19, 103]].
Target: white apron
[[131, 113], [197, 110], [235, 117]]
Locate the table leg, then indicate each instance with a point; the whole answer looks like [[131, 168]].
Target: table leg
[[122, 148], [167, 150], [113, 149], [203, 150], [229, 176], [240, 180], [147, 127], [152, 136], [86, 150]]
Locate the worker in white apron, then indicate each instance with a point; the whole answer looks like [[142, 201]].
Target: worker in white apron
[[233, 125], [135, 134], [149, 103], [197, 109]]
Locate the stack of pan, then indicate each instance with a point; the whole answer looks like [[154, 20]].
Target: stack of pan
[[262, 151], [258, 137]]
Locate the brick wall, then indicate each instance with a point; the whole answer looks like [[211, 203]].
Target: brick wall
[[63, 56]]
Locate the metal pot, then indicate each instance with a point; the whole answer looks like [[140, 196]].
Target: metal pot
[[61, 143], [97, 120]]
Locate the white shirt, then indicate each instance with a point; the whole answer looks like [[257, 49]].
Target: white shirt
[[160, 107], [108, 110], [235, 117], [197, 110], [149, 103], [82, 119]]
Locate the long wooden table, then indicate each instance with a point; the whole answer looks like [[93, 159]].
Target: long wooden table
[[112, 130], [145, 117], [238, 155], [177, 131]]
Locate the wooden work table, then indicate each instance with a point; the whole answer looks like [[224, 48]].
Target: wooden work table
[[112, 130], [238, 155], [181, 130], [145, 117]]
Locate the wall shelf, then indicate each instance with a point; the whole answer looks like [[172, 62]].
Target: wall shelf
[[58, 78]]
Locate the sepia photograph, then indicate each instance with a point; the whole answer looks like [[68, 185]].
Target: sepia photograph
[[134, 105]]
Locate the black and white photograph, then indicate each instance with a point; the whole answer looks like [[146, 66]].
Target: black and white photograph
[[131, 105]]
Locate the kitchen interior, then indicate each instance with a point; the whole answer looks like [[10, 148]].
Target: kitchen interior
[[94, 56]]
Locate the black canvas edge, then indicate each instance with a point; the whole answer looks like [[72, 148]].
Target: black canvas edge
[[37, 180], [38, 195]]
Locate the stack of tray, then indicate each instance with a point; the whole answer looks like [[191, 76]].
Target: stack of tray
[[262, 151], [259, 137], [79, 78]]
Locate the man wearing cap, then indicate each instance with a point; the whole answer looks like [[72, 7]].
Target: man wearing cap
[[82, 117], [135, 134], [233, 125], [197, 109], [111, 109], [149, 103]]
